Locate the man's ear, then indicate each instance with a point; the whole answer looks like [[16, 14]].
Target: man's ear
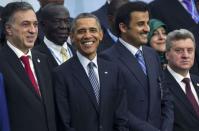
[[8, 29], [123, 27]]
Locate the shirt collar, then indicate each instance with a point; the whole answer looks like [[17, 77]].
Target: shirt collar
[[18, 52], [85, 61], [53, 46], [130, 47], [176, 75], [114, 38]]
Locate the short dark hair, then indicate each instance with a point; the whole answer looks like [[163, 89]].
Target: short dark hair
[[9, 10], [123, 14], [84, 15]]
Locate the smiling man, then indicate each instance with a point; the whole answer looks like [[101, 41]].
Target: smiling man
[[27, 78], [149, 104], [89, 91], [180, 53]]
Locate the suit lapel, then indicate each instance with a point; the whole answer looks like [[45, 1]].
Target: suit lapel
[[43, 48], [195, 84], [80, 74], [178, 92], [130, 62], [151, 70], [17, 66], [104, 80], [37, 62]]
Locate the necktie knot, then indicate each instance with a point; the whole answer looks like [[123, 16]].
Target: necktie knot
[[91, 65], [25, 59], [186, 81], [138, 54]]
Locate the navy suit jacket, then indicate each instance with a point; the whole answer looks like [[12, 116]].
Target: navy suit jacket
[[172, 13], [149, 110], [4, 119], [27, 111], [76, 101], [185, 118]]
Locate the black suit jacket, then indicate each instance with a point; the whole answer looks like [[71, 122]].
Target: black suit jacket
[[185, 118], [172, 13], [44, 49], [149, 111], [76, 101], [27, 111]]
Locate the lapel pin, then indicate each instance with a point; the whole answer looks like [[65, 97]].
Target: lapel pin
[[105, 72], [38, 60], [197, 84]]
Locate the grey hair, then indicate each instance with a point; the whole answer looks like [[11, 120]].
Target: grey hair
[[180, 34], [84, 15]]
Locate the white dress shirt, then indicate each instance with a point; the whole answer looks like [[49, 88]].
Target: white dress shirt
[[56, 49], [85, 61], [130, 47], [179, 79]]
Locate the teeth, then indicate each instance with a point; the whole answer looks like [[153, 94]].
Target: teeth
[[88, 43]]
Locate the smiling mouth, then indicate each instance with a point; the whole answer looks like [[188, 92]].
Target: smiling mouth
[[87, 43]]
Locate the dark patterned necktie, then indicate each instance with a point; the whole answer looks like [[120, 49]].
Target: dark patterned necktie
[[94, 81], [190, 95]]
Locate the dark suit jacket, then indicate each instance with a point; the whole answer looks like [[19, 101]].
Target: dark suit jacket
[[149, 111], [44, 49], [185, 118], [27, 111], [172, 13], [77, 103], [4, 119]]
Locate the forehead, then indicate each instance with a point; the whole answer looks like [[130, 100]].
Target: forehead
[[137, 16], [86, 23], [160, 29], [59, 12], [183, 43], [28, 15]]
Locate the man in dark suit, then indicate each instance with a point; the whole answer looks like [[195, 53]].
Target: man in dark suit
[[180, 51], [26, 74], [56, 30], [149, 104], [89, 91]]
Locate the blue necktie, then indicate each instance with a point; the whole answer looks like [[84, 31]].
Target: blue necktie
[[191, 8], [94, 81], [140, 60]]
